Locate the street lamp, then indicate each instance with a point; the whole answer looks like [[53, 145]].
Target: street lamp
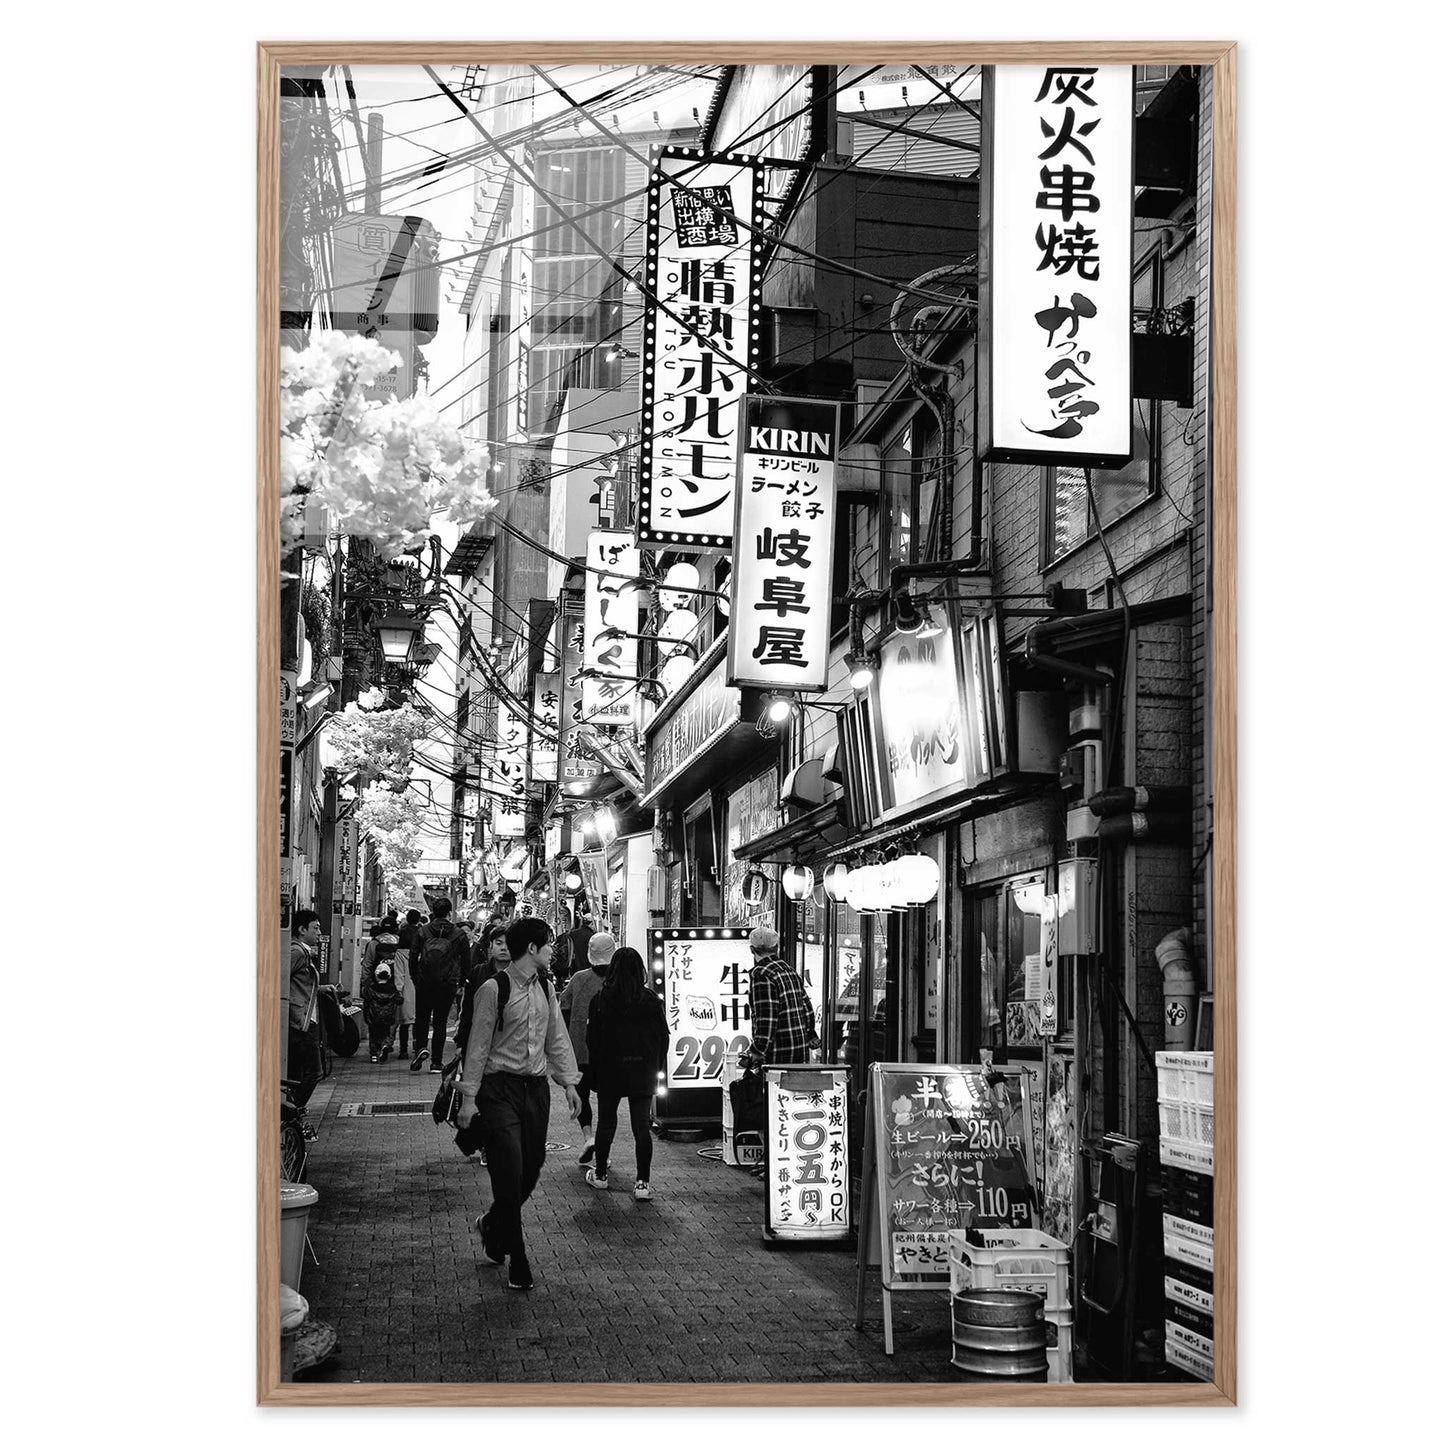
[[398, 632]]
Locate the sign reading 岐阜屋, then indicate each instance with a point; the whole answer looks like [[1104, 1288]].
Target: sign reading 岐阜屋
[[1056, 264], [783, 546], [702, 281]]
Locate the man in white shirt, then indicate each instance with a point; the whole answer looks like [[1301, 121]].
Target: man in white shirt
[[504, 1084]]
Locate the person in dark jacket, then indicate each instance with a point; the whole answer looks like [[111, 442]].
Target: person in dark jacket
[[627, 1042], [440, 958], [381, 998], [571, 954]]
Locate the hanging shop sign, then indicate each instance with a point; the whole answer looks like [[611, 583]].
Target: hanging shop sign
[[807, 1155], [703, 281], [546, 710], [343, 869], [940, 711], [711, 709], [509, 796], [1056, 264], [703, 976], [782, 591], [610, 611], [573, 764]]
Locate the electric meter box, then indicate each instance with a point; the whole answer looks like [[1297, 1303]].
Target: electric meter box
[[1078, 905]]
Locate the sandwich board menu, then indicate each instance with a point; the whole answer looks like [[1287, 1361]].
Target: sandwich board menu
[[945, 1146]]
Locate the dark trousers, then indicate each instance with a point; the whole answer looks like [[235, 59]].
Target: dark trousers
[[303, 1062], [584, 1094], [639, 1108], [433, 1008], [513, 1109]]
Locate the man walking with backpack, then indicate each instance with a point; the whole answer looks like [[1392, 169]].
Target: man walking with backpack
[[516, 1036], [440, 955]]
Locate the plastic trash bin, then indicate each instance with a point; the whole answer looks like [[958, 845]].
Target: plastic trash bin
[[296, 1202]]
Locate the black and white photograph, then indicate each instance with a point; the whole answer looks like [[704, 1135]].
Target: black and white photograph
[[749, 592]]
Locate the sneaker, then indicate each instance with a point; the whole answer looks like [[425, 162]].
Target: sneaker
[[585, 1157], [519, 1272], [490, 1255], [421, 1058], [373, 1058], [435, 1068], [642, 1190], [385, 1052], [596, 1180]]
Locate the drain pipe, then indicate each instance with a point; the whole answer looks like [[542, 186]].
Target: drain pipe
[[1049, 663]]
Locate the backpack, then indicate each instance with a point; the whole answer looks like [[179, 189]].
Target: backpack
[[435, 961], [504, 992]]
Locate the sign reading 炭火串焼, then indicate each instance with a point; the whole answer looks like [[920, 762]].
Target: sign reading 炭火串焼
[[1056, 264], [782, 588], [610, 616], [703, 283]]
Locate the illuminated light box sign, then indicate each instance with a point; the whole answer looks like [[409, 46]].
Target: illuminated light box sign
[[610, 605], [546, 710], [787, 504], [1056, 264], [509, 801], [703, 284], [703, 976], [807, 1155], [573, 764]]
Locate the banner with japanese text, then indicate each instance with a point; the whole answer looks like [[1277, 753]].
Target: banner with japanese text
[[574, 765], [787, 504], [546, 711], [343, 868], [1056, 264], [610, 624], [509, 788], [700, 340], [807, 1154]]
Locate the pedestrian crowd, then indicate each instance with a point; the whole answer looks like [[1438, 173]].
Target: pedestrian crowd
[[587, 1019]]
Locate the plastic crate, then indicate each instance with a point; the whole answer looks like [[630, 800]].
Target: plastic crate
[[1185, 1123], [1186, 1078], [1059, 1325], [1026, 1259]]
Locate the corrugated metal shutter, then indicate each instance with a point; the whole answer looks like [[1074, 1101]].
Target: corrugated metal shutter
[[877, 149]]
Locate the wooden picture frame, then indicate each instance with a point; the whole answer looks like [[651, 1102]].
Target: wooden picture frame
[[1222, 57]]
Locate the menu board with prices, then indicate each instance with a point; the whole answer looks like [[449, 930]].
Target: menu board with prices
[[807, 1155], [946, 1146]]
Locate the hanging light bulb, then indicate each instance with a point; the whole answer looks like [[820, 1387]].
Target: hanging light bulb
[[860, 670], [835, 879], [797, 882]]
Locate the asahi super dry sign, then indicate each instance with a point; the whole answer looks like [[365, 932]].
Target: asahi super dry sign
[[1056, 264], [703, 283], [783, 549]]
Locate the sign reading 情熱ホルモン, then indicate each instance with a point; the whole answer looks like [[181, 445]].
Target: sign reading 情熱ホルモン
[[782, 587], [704, 284], [1056, 264]]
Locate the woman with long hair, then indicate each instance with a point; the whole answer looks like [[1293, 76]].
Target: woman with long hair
[[627, 1044]]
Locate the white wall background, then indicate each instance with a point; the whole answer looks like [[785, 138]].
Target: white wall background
[[130, 164]]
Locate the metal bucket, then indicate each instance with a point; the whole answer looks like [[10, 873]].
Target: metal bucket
[[1000, 1335]]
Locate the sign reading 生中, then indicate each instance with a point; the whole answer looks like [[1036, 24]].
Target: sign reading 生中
[[782, 590], [610, 618], [703, 976], [807, 1154], [703, 284], [1056, 264]]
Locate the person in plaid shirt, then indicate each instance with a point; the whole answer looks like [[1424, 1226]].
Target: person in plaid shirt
[[785, 1030]]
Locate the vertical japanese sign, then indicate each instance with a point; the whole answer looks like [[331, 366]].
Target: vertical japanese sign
[[704, 977], [509, 790], [343, 869], [546, 710], [1056, 263], [610, 613], [807, 1152], [1049, 982], [700, 339], [288, 758], [783, 545], [573, 764]]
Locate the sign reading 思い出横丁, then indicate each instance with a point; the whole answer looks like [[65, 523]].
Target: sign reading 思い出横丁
[[782, 588], [703, 284], [610, 618], [1056, 264], [807, 1154], [703, 977]]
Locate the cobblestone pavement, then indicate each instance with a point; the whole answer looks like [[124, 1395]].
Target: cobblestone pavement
[[680, 1289]]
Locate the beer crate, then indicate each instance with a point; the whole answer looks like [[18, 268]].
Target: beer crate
[[1190, 1196], [1010, 1259]]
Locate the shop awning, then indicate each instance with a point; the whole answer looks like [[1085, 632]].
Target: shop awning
[[1087, 632], [809, 836]]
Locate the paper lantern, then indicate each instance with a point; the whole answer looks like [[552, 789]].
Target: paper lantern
[[797, 882], [920, 877], [835, 876]]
